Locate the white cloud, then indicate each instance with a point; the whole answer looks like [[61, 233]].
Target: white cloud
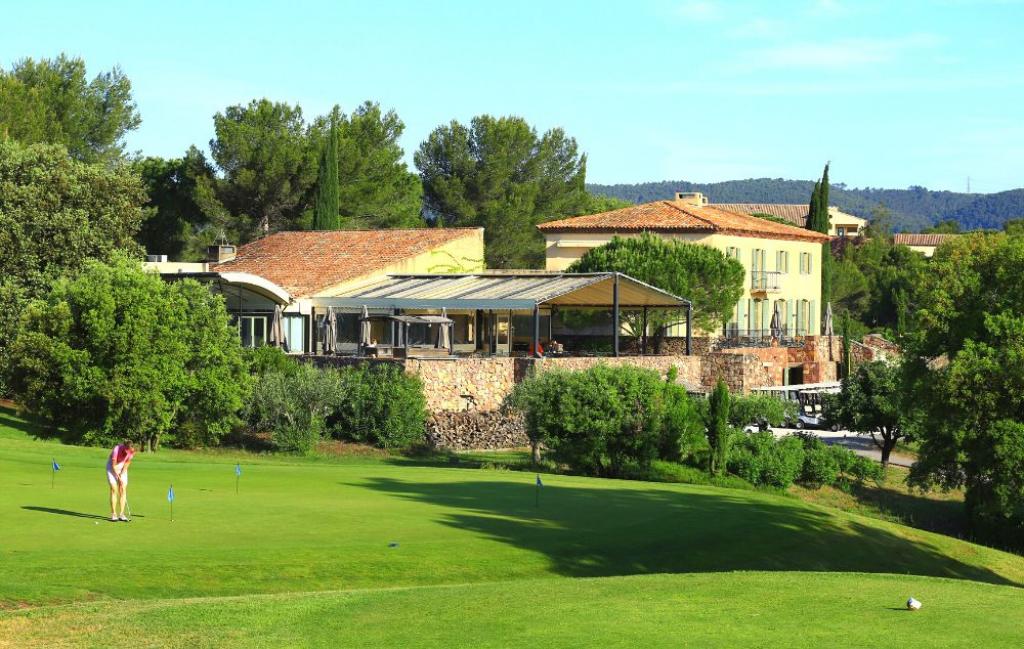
[[698, 10], [759, 28], [839, 54]]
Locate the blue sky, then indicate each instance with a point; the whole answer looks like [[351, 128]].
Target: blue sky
[[894, 93]]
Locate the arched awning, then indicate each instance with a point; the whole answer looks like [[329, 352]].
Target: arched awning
[[255, 284]]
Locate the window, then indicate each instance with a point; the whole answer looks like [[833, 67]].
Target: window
[[733, 251], [804, 318], [295, 333], [782, 261], [805, 263], [253, 330]]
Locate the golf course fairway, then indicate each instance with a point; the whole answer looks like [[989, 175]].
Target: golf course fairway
[[382, 552]]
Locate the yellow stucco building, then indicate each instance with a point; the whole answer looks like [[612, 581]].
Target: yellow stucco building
[[782, 262]]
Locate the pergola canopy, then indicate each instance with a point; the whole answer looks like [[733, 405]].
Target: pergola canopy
[[515, 291]]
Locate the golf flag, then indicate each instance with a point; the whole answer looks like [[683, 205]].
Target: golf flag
[[56, 467], [537, 491], [238, 469], [170, 494]]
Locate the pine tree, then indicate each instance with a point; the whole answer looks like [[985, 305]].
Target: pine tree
[[325, 212]]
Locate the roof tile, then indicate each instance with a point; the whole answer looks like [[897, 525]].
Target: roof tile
[[306, 262], [672, 216]]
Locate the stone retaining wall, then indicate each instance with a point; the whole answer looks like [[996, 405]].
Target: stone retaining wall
[[478, 430]]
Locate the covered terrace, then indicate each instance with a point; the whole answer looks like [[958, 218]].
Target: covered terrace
[[490, 313]]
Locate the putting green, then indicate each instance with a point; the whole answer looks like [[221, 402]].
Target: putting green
[[299, 526]]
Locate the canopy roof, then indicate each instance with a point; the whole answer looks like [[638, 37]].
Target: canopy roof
[[411, 319], [514, 290], [255, 283]]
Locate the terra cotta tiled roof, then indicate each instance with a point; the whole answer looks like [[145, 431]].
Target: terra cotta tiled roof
[[306, 262], [672, 216], [794, 213], [910, 239]]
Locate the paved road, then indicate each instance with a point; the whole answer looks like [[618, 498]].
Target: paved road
[[859, 444]]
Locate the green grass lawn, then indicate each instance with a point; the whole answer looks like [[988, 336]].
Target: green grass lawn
[[379, 551]]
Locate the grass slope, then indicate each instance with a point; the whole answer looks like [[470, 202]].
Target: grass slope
[[697, 610], [302, 525]]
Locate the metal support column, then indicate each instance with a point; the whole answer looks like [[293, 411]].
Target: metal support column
[[689, 329], [643, 334], [615, 314], [536, 331]]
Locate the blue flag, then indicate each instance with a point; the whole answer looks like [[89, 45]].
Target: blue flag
[[238, 469], [539, 483], [170, 494], [56, 467]]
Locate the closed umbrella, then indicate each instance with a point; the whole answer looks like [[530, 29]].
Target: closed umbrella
[[776, 324], [277, 334], [443, 333], [330, 331], [364, 327]]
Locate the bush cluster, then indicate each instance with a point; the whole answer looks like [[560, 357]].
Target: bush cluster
[[298, 404], [606, 421], [763, 460]]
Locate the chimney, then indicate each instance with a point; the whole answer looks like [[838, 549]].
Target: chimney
[[220, 253], [691, 199]]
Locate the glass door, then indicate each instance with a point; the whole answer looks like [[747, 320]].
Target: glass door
[[502, 333]]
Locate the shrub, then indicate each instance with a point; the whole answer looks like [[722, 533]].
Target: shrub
[[821, 467], [266, 359], [761, 409], [382, 405], [762, 460], [293, 406], [604, 420]]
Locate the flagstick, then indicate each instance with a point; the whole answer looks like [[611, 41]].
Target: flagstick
[[537, 492], [236, 483], [53, 476]]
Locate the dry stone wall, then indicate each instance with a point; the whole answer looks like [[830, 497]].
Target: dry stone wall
[[478, 430]]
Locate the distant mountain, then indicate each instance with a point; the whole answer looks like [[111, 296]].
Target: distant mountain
[[912, 209]]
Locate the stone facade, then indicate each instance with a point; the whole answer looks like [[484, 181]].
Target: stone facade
[[464, 383]]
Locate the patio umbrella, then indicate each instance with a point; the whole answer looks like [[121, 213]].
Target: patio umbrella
[[330, 331], [776, 324], [443, 334], [827, 325], [277, 335], [364, 327]]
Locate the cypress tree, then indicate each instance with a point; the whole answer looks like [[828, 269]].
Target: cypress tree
[[818, 220], [717, 425], [812, 208], [325, 212]]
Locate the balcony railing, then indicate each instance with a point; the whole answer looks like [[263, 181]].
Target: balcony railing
[[766, 280], [733, 336]]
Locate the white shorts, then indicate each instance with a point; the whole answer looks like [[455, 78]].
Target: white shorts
[[112, 477]]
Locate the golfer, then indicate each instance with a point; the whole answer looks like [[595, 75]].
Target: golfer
[[117, 475]]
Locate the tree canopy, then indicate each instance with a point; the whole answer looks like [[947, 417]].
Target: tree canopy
[[57, 212], [117, 352], [51, 101], [704, 275], [871, 403], [497, 173]]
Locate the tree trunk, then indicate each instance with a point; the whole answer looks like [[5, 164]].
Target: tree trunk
[[886, 451], [535, 452]]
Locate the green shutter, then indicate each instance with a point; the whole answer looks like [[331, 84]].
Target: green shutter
[[765, 316], [790, 317], [812, 319]]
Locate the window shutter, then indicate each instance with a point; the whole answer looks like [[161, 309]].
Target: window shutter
[[745, 315], [790, 317], [765, 316], [812, 319]]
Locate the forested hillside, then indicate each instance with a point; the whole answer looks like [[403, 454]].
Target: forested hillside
[[912, 209]]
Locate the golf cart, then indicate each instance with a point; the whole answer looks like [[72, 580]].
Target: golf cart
[[816, 421]]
